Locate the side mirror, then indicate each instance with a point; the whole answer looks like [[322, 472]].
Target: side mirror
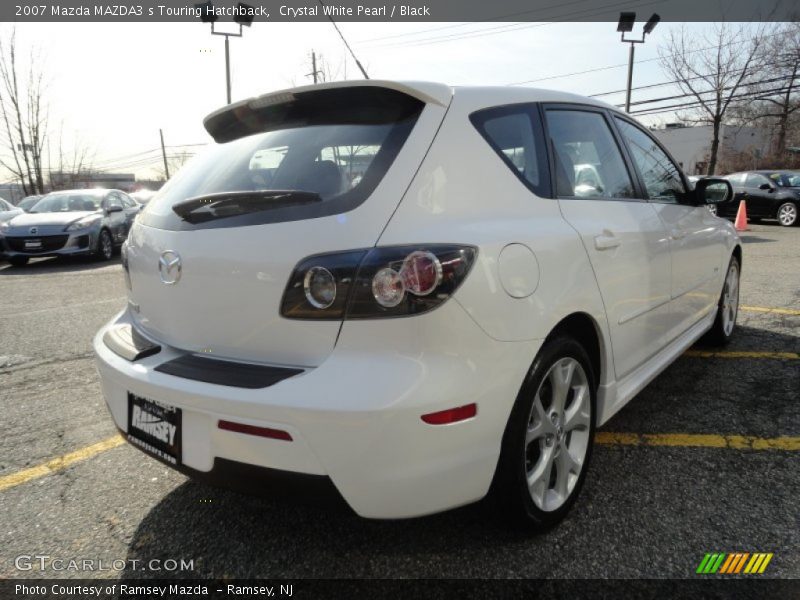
[[114, 208], [766, 186], [712, 190]]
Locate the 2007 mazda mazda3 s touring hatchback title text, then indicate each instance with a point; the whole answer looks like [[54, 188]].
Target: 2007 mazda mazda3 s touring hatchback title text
[[411, 295]]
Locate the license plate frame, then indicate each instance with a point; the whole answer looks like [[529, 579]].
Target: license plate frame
[[155, 427], [33, 244]]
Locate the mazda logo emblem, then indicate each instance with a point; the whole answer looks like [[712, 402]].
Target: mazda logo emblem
[[169, 267], [34, 230]]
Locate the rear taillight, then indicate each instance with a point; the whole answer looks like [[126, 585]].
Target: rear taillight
[[382, 282]]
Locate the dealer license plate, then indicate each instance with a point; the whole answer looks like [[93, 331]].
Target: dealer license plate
[[155, 428]]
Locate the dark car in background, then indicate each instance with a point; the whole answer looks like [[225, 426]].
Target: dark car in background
[[768, 194], [69, 223]]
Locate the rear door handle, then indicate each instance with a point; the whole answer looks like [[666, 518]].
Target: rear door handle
[[606, 241]]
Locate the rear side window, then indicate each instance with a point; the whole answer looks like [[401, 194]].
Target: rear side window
[[588, 161], [514, 132], [736, 178], [755, 180], [320, 154]]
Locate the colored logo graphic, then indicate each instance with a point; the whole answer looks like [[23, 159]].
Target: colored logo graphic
[[734, 563]]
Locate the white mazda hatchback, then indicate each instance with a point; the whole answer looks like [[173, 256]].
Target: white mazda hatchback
[[408, 295]]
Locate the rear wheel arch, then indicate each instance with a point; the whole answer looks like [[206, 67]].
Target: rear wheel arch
[[737, 252]]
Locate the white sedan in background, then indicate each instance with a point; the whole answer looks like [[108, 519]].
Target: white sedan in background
[[455, 321]]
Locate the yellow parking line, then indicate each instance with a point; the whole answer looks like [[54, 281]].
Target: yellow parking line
[[697, 440], [777, 311], [605, 438], [59, 463], [741, 354]]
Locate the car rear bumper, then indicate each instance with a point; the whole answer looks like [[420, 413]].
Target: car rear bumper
[[355, 419]]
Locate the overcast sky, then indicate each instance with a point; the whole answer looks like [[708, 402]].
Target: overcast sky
[[114, 85]]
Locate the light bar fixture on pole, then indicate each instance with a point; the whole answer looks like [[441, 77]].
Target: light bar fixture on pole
[[625, 25], [243, 16]]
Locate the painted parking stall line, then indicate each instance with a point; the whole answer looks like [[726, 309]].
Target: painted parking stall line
[[698, 440], [741, 354], [59, 463], [776, 311], [602, 438]]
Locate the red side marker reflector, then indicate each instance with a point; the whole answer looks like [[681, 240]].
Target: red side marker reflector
[[275, 434], [451, 415]]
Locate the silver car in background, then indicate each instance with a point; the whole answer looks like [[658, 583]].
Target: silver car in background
[[8, 211], [69, 223]]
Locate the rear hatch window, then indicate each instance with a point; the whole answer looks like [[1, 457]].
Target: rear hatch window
[[305, 156]]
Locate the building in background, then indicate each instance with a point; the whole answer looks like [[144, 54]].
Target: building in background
[[740, 147]]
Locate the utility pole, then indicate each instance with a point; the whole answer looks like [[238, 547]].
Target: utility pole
[[164, 153], [314, 71]]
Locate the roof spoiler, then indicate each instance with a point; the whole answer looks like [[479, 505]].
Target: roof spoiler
[[270, 110]]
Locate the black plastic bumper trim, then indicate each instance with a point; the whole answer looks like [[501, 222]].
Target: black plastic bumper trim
[[125, 341], [223, 372]]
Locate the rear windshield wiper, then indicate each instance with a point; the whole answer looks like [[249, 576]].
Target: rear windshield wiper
[[202, 209]]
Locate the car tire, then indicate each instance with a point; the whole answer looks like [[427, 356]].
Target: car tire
[[18, 261], [105, 246], [787, 214], [724, 325], [550, 429]]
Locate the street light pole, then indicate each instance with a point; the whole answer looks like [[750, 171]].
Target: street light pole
[[625, 25], [630, 79], [243, 16], [227, 35], [228, 66]]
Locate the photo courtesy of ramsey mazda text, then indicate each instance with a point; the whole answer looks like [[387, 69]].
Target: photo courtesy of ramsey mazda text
[[410, 296]]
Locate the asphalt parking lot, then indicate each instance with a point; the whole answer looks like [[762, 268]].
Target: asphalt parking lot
[[705, 459]]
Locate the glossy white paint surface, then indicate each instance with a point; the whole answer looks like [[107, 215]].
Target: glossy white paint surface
[[647, 276]]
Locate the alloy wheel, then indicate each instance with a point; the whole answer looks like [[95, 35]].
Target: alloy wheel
[[557, 435], [106, 246], [730, 298], [787, 214]]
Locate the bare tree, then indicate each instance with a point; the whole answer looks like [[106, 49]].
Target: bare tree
[[175, 161], [68, 167], [776, 92], [712, 68], [28, 149], [24, 117]]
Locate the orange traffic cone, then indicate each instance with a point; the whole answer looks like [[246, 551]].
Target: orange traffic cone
[[741, 218]]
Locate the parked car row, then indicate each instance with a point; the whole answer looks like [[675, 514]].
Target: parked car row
[[68, 223], [768, 194]]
